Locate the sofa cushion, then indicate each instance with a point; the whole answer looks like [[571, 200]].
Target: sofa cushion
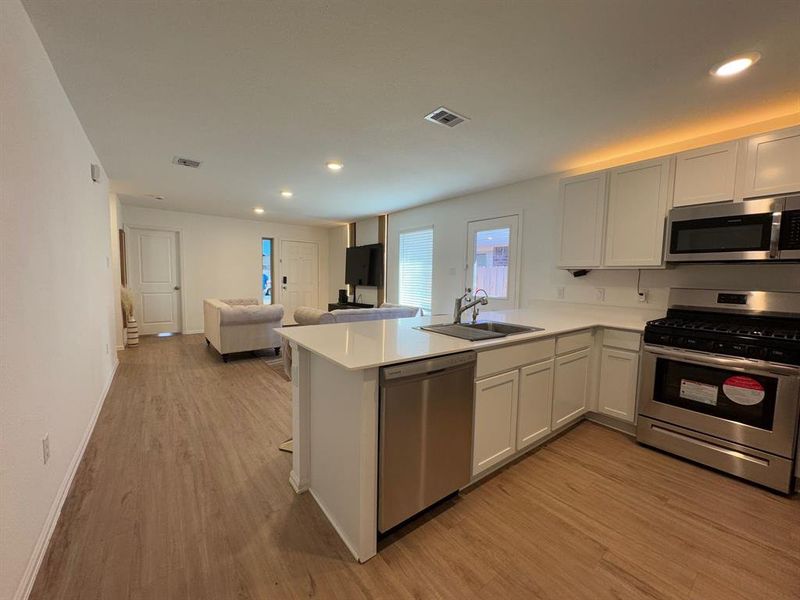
[[242, 314], [306, 315]]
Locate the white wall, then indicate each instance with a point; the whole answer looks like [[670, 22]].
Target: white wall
[[221, 257], [536, 200], [56, 297]]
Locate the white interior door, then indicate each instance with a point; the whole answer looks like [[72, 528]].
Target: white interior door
[[492, 254], [299, 276], [154, 279]]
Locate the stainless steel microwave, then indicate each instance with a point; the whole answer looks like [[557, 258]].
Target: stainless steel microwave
[[767, 229]]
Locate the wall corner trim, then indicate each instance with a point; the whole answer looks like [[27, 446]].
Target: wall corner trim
[[37, 556]]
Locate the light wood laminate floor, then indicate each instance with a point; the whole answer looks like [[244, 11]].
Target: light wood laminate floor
[[183, 493]]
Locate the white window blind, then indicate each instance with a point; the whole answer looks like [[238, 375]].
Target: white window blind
[[416, 268]]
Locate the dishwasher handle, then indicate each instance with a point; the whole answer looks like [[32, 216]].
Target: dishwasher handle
[[431, 366]]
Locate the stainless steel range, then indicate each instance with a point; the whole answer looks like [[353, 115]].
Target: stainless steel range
[[720, 382]]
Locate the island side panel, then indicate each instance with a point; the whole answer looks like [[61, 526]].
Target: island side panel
[[343, 451], [299, 476]]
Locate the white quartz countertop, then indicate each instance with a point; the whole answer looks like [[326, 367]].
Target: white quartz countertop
[[368, 344]]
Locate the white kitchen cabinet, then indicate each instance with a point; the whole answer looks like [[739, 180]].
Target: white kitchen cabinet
[[583, 205], [619, 371], [535, 404], [570, 387], [495, 429], [638, 200], [772, 165], [705, 175]]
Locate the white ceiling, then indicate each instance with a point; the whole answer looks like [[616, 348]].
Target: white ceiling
[[265, 92]]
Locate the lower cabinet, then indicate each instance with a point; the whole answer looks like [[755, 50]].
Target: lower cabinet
[[495, 431], [570, 387], [535, 405], [618, 382]]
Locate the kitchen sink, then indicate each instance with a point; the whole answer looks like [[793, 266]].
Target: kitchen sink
[[485, 330]]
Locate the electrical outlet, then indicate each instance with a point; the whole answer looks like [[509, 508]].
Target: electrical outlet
[[560, 292], [644, 296], [46, 449], [451, 271], [600, 294]]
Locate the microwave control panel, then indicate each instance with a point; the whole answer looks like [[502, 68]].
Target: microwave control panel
[[790, 230]]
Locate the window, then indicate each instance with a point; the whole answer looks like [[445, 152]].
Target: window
[[266, 270], [490, 270], [416, 268]]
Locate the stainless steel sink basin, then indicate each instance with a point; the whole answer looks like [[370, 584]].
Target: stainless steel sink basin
[[504, 328], [479, 331]]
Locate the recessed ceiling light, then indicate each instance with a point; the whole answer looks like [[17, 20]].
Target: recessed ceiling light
[[286, 193], [334, 165], [735, 65], [258, 210]]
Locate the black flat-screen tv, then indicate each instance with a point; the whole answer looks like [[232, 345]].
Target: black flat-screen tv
[[364, 265]]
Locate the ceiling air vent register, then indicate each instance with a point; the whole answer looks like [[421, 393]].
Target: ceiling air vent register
[[445, 116], [185, 162]]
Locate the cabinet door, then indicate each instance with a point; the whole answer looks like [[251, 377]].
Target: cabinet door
[[619, 371], [570, 387], [705, 174], [638, 199], [495, 428], [583, 205], [535, 405], [773, 163]]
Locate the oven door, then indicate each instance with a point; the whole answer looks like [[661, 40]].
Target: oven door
[[725, 397], [735, 232]]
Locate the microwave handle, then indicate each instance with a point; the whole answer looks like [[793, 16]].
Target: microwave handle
[[722, 361], [775, 235]]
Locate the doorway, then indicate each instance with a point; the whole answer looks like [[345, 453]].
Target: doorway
[[153, 267], [299, 276], [266, 271], [492, 257]]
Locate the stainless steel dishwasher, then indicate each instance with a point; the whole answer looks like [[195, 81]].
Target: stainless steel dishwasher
[[425, 434]]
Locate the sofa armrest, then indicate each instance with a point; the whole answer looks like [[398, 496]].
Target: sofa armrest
[[212, 309], [306, 315]]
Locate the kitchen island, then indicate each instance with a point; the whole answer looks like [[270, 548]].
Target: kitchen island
[[335, 395]]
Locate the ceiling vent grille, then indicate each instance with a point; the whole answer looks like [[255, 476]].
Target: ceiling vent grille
[[445, 116], [185, 162]]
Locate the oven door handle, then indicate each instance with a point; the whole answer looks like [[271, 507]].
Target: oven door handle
[[722, 361]]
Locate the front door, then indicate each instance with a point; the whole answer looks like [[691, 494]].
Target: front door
[[299, 277], [154, 279], [492, 260]]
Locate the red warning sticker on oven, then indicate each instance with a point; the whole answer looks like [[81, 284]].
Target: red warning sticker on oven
[[743, 390]]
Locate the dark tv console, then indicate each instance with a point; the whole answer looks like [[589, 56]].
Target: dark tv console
[[343, 305]]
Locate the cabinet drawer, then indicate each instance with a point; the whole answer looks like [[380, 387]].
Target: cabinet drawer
[[617, 338], [573, 341], [512, 357]]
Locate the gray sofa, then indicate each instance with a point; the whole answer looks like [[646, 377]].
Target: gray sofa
[[306, 315], [241, 325]]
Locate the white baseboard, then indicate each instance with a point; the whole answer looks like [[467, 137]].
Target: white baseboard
[[35, 562]]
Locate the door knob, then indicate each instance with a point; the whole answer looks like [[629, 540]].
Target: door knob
[[176, 288]]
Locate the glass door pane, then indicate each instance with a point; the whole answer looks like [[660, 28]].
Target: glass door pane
[[266, 270], [492, 260]]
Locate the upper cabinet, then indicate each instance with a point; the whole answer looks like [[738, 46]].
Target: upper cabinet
[[583, 205], [705, 175], [638, 199], [616, 218], [773, 163]]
